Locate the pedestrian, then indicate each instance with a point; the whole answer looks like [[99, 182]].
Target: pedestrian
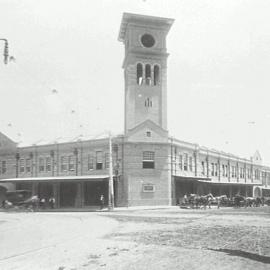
[[218, 202], [42, 203], [52, 202], [185, 199], [102, 201], [35, 202]]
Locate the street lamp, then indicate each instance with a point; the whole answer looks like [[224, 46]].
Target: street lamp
[[5, 50]]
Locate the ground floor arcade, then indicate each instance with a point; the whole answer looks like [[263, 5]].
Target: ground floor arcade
[[68, 192], [188, 185]]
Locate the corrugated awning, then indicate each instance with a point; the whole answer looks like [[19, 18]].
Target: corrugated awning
[[55, 178], [232, 183], [209, 180]]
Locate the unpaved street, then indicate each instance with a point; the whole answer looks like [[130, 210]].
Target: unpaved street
[[169, 238], [50, 240]]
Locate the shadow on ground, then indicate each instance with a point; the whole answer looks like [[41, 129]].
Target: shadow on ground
[[244, 254]]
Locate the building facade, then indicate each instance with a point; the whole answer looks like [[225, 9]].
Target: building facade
[[149, 166]]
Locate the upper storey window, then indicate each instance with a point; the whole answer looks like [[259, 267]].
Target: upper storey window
[[139, 74], [99, 162], [156, 75], [148, 160], [4, 166], [148, 74]]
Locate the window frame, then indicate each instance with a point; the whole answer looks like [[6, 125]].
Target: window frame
[[156, 74], [180, 163], [28, 165], [71, 163], [148, 75], [185, 162], [99, 157], [91, 161], [63, 163], [22, 165], [41, 166], [148, 160], [3, 166], [139, 73]]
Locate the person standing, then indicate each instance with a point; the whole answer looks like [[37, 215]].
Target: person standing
[[185, 199], [102, 201], [52, 202], [43, 203]]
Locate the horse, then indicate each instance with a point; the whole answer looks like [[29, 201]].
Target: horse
[[203, 201], [221, 200], [258, 202], [206, 200]]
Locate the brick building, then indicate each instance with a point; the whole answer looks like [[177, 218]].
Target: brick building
[[149, 166]]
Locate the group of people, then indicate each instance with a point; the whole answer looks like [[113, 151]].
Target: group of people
[[43, 202], [34, 203]]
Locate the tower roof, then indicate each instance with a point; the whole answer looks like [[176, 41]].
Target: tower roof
[[138, 19]]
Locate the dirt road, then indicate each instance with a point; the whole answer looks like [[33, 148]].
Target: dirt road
[[140, 239], [50, 240]]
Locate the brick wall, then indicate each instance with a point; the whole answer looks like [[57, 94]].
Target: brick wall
[[135, 176]]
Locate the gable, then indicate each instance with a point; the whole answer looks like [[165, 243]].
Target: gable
[[147, 131], [6, 144], [257, 159]]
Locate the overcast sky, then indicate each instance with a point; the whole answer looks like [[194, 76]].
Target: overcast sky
[[218, 70]]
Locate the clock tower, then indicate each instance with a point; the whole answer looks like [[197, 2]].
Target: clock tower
[[145, 70]]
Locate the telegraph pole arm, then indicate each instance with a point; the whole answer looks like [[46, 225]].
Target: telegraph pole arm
[[5, 50]]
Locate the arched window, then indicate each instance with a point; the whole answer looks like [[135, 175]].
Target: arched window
[[156, 75], [139, 74], [148, 74]]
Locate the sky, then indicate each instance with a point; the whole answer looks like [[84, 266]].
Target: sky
[[68, 78]]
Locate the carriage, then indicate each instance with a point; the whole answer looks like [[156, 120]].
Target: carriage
[[17, 200]]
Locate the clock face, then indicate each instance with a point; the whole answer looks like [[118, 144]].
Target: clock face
[[148, 40]]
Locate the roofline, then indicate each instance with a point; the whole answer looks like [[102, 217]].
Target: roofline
[[201, 149], [69, 142], [140, 18], [8, 138]]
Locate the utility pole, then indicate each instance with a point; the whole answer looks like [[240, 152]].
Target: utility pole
[[111, 190], [5, 50]]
